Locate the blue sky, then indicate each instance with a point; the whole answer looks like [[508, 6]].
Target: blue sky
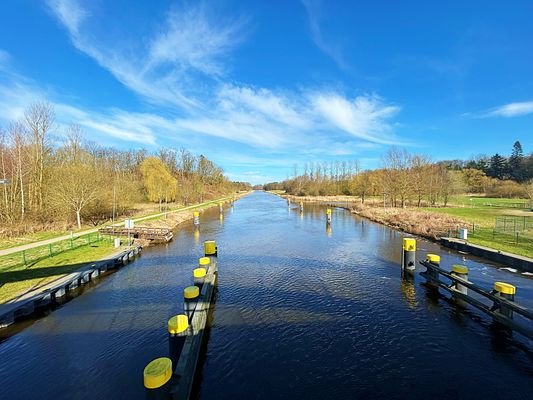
[[257, 86]]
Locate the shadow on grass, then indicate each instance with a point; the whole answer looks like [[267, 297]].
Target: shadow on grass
[[38, 273]]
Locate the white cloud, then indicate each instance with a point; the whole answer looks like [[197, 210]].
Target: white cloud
[[190, 39], [70, 13], [160, 71], [365, 117], [330, 48], [512, 110], [165, 67]]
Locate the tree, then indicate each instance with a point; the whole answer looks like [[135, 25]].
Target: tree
[[39, 118], [158, 181], [516, 166], [529, 189], [498, 166]]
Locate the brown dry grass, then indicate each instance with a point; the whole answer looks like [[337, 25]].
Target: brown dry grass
[[421, 223]]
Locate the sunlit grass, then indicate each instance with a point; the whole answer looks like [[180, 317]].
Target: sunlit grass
[[19, 280]]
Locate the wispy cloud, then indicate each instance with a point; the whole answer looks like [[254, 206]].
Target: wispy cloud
[[160, 68], [331, 48], [366, 117], [511, 110]]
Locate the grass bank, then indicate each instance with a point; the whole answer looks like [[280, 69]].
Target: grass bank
[[477, 215], [17, 279]]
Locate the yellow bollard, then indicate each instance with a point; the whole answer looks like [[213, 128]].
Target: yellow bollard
[[199, 277], [506, 291], [178, 329], [190, 300], [460, 271], [196, 216], [156, 376], [431, 273], [328, 215], [409, 256], [210, 248], [301, 206]]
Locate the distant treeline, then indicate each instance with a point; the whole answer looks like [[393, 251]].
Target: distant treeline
[[413, 179], [517, 167], [42, 184]]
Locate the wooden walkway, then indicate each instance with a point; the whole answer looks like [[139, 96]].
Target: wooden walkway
[[140, 232]]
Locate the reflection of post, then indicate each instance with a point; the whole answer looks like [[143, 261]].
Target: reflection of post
[[328, 230], [408, 291]]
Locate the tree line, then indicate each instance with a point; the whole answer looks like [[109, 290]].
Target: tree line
[[45, 184], [410, 179]]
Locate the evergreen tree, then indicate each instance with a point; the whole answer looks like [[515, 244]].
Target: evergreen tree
[[497, 167], [516, 163]]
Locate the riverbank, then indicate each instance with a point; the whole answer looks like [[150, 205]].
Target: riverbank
[[421, 223], [17, 281], [432, 223]]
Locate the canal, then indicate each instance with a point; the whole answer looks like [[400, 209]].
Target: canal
[[302, 312]]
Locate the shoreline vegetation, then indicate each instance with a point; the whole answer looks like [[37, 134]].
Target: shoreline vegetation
[[16, 282], [476, 215]]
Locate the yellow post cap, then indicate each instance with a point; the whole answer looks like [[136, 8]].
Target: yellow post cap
[[157, 373], [178, 323], [191, 292], [504, 288], [434, 258], [328, 211], [210, 247], [409, 244], [459, 269], [199, 272], [204, 261], [196, 213]]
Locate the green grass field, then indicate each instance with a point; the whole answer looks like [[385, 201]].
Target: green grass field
[[18, 280], [479, 215]]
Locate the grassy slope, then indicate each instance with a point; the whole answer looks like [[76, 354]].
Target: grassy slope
[[15, 281], [482, 213], [21, 279]]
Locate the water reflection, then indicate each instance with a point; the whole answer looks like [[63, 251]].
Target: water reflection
[[328, 229], [299, 314], [409, 292]]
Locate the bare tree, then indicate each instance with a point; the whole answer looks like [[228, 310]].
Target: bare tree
[[39, 120]]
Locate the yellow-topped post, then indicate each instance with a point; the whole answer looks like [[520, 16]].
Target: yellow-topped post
[[220, 208], [199, 276], [190, 300], [506, 291], [460, 271], [178, 329], [328, 215], [301, 206], [432, 272], [156, 376], [210, 248], [408, 256], [196, 217]]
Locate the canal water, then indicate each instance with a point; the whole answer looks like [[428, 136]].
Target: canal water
[[302, 312]]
